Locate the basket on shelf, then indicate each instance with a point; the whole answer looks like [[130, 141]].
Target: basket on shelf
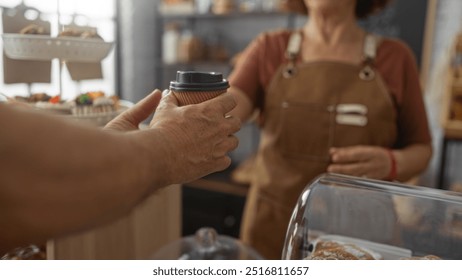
[[44, 47]]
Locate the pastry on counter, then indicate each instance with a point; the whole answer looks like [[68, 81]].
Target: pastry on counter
[[34, 97], [94, 102], [33, 29], [84, 34], [31, 252], [45, 102], [86, 104]]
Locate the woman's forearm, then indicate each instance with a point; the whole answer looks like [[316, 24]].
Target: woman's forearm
[[412, 160], [244, 107]]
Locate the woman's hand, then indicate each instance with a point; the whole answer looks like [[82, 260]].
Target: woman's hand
[[362, 161]]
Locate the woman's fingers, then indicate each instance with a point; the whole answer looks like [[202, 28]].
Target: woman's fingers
[[361, 161]]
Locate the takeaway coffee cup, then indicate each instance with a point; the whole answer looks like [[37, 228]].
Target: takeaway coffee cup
[[193, 87]]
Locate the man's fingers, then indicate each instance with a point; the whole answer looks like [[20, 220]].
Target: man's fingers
[[224, 102], [168, 98], [221, 164], [149, 104], [141, 110], [235, 124], [225, 146]]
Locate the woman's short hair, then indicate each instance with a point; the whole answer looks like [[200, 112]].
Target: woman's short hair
[[364, 8]]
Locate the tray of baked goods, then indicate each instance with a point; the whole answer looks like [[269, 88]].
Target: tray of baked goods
[[68, 46], [341, 217], [94, 107]]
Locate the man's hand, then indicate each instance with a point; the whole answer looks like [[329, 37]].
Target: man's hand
[[132, 117], [196, 138]]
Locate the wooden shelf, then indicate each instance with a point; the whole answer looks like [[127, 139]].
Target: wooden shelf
[[231, 15], [221, 182], [201, 63], [453, 129]]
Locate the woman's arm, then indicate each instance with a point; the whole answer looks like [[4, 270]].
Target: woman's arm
[[244, 107], [412, 160], [58, 177]]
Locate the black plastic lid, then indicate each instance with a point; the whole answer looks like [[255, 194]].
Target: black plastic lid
[[198, 81]]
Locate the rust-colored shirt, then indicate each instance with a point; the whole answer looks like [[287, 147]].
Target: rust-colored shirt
[[395, 62]]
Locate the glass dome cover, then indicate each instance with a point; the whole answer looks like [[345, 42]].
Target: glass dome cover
[[370, 219], [207, 244]]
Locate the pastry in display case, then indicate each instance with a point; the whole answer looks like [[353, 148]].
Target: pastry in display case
[[31, 252], [344, 217]]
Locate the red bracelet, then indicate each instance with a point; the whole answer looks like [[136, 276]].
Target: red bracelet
[[393, 170]]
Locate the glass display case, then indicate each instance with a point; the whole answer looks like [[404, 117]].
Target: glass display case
[[343, 217], [206, 244]]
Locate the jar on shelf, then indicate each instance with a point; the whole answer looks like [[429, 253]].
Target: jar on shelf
[[220, 7], [190, 47], [248, 6], [457, 61], [203, 6], [456, 104], [270, 5], [170, 42], [215, 48]]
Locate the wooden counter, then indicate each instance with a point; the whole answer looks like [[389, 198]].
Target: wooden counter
[[154, 223]]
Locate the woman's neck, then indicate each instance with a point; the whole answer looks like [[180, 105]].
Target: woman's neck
[[332, 28], [333, 36]]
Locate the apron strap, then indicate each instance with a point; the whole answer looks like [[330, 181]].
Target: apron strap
[[371, 42], [292, 51], [367, 73], [370, 47]]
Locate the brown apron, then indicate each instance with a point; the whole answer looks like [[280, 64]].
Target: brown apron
[[309, 108]]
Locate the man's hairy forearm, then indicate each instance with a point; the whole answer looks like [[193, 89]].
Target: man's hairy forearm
[[57, 177]]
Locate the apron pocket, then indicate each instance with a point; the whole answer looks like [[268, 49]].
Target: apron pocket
[[306, 130], [346, 135]]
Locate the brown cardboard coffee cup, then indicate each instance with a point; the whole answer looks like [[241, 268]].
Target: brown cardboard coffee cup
[[192, 87]]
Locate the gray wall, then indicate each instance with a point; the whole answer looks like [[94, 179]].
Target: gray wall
[[448, 23], [137, 41]]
